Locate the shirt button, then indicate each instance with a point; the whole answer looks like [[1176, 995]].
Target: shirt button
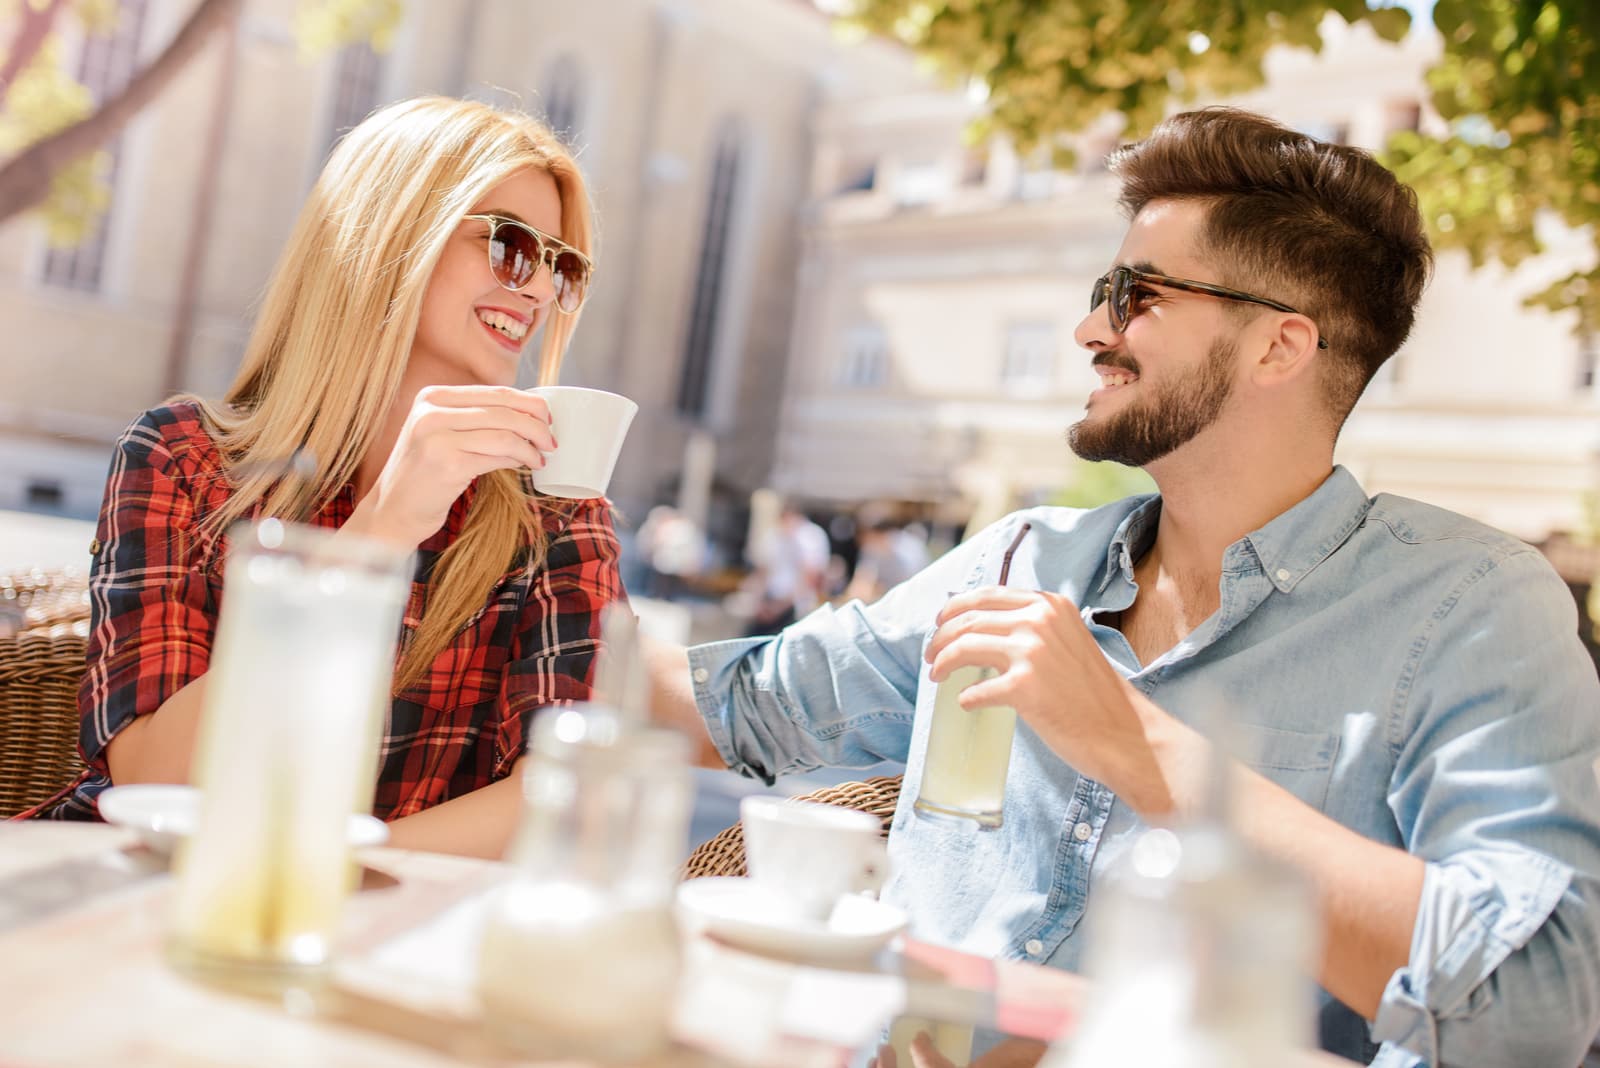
[[1082, 832], [1283, 574], [1034, 947], [701, 674]]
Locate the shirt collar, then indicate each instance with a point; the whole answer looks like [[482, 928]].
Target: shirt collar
[[1132, 538], [1293, 544]]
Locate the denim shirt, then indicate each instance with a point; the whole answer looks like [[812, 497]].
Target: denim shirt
[[1413, 674]]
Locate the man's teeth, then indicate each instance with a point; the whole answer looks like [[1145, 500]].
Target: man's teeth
[[1117, 379], [511, 327]]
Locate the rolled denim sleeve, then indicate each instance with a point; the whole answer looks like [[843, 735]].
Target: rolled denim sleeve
[[835, 689], [1495, 788]]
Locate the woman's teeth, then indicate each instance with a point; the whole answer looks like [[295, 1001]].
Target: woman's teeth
[[511, 327]]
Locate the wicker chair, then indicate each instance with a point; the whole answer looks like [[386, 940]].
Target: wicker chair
[[40, 665], [724, 853]]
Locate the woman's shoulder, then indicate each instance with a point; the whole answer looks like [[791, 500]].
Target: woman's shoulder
[[562, 515], [175, 435]]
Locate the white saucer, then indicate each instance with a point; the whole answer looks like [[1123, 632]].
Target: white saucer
[[163, 814], [743, 913]]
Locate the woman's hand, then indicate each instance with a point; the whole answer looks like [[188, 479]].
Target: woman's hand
[[452, 435]]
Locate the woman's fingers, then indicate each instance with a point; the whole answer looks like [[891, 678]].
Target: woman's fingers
[[507, 445]]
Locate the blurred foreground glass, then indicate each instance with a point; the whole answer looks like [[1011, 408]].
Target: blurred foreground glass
[[295, 701], [1201, 959], [580, 955], [968, 756]]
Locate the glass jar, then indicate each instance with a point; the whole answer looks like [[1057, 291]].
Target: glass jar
[[580, 954]]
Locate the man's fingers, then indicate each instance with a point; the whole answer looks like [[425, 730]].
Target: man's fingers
[[977, 621], [986, 597], [969, 650]]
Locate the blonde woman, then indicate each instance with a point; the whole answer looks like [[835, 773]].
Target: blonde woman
[[442, 236]]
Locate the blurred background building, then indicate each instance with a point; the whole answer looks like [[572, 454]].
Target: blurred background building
[[808, 278]]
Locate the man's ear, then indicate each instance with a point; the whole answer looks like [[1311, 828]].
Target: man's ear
[[1289, 349]]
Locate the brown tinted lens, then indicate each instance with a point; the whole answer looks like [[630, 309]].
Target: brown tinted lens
[[571, 276], [1121, 298], [1097, 295], [513, 255]]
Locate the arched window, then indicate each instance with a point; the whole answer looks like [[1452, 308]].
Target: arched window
[[562, 98], [357, 84], [106, 66], [695, 381]]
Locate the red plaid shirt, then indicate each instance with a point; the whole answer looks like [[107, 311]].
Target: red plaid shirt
[[157, 583]]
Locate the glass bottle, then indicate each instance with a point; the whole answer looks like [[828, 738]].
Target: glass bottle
[[580, 954]]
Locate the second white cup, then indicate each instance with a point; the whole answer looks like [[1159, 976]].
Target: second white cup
[[810, 855], [590, 426]]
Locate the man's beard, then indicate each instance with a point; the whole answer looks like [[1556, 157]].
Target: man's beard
[[1169, 416]]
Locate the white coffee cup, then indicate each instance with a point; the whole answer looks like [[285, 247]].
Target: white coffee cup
[[811, 855], [590, 426]]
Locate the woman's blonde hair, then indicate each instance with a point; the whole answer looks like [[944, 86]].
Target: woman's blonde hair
[[331, 342]]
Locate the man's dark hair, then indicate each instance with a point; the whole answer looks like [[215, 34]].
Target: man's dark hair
[[1324, 228]]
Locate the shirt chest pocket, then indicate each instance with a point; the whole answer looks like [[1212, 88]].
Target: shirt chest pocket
[[1299, 761]]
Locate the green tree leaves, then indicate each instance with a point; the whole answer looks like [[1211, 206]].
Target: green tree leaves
[[1518, 81]]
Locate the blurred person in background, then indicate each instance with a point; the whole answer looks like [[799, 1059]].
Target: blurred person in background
[[441, 236], [791, 572], [1418, 719], [673, 549], [888, 554]]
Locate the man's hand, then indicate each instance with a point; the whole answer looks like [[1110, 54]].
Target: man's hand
[[1054, 674], [452, 435], [1011, 1053]]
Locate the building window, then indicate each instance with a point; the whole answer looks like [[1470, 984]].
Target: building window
[[1402, 115], [356, 86], [1588, 357], [563, 98], [694, 384], [106, 66], [1029, 362], [864, 363], [920, 183]]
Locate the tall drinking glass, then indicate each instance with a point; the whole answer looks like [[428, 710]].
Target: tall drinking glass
[[968, 755], [294, 703]]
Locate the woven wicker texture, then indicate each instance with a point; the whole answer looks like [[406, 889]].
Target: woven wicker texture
[[45, 620], [724, 853]]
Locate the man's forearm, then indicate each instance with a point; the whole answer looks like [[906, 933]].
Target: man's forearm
[[1369, 893], [672, 702]]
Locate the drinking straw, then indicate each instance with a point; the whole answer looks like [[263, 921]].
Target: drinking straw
[[1005, 561]]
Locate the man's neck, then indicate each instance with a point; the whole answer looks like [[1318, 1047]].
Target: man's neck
[[1202, 514]]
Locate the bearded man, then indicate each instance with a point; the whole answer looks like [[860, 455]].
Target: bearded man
[[1418, 719]]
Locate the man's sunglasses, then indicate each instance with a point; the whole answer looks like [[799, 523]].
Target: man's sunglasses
[[1120, 285], [517, 251]]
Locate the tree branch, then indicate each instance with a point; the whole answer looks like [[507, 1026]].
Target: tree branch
[[31, 34], [25, 180]]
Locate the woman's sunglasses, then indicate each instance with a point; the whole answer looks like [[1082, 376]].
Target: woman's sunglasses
[[1120, 285], [517, 250]]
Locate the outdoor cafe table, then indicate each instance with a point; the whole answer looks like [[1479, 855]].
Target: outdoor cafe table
[[83, 981]]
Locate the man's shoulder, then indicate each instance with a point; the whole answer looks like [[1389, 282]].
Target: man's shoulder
[[1464, 546], [1416, 522]]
